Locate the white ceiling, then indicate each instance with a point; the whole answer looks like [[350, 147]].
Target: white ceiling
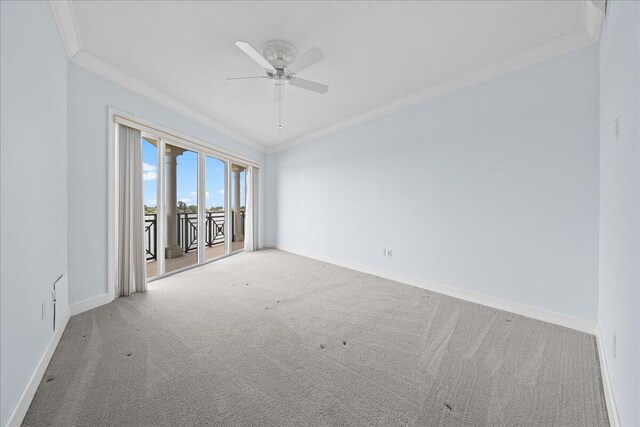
[[377, 54]]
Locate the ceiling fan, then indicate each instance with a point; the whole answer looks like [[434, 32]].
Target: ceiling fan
[[281, 64]]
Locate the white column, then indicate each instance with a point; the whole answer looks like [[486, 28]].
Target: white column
[[237, 218], [172, 250]]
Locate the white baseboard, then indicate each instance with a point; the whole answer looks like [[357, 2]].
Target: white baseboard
[[612, 409], [89, 303], [571, 322], [20, 410]]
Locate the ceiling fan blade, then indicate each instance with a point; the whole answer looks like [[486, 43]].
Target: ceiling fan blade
[[309, 58], [245, 78], [255, 55], [309, 85]]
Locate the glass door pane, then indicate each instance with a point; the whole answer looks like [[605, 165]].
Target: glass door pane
[[181, 207], [214, 209], [150, 193], [238, 174]]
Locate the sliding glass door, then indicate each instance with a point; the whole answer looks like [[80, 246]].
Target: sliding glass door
[[194, 205], [150, 194], [181, 207], [214, 217], [238, 205]]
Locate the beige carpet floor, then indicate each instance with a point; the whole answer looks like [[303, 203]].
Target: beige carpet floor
[[271, 338]]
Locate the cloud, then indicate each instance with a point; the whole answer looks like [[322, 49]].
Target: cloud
[[149, 176], [221, 191], [185, 200], [149, 172]]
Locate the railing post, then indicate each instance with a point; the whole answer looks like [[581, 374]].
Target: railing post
[[179, 229], [155, 236], [151, 236], [185, 236], [208, 231]]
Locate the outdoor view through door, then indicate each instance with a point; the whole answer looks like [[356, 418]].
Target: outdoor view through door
[[150, 192], [181, 207], [238, 180], [214, 219], [188, 216]]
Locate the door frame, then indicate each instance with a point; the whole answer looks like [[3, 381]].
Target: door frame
[[163, 135]]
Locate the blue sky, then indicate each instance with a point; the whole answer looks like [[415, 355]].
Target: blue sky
[[187, 178]]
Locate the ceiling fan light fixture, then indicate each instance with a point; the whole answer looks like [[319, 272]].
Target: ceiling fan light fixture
[[279, 53], [281, 63]]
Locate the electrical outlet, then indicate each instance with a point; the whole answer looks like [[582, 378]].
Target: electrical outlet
[[617, 121], [44, 310], [614, 345], [385, 252]]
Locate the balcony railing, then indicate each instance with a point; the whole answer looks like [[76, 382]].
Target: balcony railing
[[151, 236], [187, 231]]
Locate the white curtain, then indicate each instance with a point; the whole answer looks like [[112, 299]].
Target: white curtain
[[131, 252], [249, 220]]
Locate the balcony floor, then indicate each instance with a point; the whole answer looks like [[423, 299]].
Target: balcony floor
[[190, 258]]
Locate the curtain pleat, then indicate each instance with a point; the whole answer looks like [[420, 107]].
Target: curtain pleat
[[249, 239], [131, 252]]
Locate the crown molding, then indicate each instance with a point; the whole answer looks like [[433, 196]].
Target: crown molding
[[589, 32], [558, 46], [593, 14], [93, 63], [65, 18]]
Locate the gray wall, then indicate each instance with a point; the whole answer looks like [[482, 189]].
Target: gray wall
[[619, 303], [90, 95], [33, 131], [491, 189]]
